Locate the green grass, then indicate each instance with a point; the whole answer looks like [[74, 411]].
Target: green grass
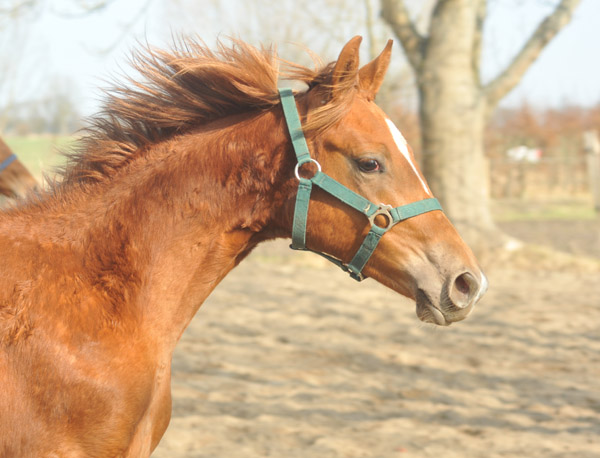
[[40, 153], [527, 210]]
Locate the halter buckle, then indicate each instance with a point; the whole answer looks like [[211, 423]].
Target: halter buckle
[[384, 210]]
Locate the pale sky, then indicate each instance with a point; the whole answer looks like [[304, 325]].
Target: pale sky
[[80, 54]]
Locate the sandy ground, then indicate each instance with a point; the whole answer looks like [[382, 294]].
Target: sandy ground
[[291, 358]]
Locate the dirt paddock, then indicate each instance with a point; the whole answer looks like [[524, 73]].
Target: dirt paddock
[[291, 358]]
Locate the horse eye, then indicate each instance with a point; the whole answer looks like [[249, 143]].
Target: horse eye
[[369, 165]]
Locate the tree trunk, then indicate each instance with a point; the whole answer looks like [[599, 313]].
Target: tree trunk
[[453, 116], [454, 105]]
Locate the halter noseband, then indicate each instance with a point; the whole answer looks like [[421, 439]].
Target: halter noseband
[[341, 192], [6, 162]]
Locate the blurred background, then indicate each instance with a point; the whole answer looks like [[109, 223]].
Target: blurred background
[[330, 368], [540, 140]]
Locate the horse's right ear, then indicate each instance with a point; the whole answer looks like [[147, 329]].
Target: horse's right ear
[[345, 72], [371, 75]]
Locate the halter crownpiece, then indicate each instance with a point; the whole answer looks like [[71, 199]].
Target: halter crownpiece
[[342, 193]]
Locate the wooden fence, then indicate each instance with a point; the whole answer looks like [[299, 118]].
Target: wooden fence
[[547, 178], [550, 177], [591, 145]]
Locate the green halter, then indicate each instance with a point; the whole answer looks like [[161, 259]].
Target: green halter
[[341, 192]]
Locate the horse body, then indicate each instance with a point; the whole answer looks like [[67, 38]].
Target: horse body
[[101, 276], [101, 305]]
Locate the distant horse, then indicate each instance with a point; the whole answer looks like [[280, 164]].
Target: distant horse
[[175, 183], [15, 179]]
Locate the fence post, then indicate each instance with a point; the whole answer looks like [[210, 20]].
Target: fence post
[[591, 145]]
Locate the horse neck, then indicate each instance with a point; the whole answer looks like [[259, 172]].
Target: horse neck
[[230, 190], [161, 234]]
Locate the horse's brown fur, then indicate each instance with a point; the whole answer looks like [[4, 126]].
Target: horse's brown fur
[[178, 180]]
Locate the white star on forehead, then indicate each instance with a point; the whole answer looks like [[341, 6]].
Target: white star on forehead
[[402, 146]]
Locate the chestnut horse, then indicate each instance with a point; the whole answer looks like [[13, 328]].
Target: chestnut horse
[[15, 179], [175, 183]]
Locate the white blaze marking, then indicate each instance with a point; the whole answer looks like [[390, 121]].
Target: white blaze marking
[[402, 146]]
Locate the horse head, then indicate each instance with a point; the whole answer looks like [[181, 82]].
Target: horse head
[[420, 255]]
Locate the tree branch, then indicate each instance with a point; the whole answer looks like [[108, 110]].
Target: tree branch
[[394, 12], [546, 31], [17, 8], [370, 23], [85, 8], [477, 37], [125, 30]]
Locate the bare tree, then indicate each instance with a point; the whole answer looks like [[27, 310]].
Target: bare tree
[[455, 105], [12, 16], [17, 64], [325, 25]]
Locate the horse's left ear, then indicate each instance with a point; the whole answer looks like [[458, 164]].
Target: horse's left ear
[[371, 75]]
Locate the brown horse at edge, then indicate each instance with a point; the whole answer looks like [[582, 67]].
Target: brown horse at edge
[[174, 185], [15, 179]]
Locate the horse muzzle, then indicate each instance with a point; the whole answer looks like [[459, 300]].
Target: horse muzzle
[[455, 302]]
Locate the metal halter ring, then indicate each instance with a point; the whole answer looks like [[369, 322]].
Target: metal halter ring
[[298, 165], [384, 210]]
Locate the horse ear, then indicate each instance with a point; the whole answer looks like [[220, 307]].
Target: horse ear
[[371, 75], [345, 72]]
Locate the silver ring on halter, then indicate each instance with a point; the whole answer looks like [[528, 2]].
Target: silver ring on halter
[[384, 210], [297, 169]]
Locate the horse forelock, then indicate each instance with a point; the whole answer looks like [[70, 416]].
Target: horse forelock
[[186, 87]]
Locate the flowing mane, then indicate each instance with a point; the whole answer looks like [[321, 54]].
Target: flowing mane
[[183, 88]]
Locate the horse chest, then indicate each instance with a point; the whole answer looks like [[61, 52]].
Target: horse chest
[[82, 404]]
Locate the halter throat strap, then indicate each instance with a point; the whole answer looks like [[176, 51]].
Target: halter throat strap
[[6, 162], [342, 193]]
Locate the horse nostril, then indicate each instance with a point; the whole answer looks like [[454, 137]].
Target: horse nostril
[[463, 290]]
